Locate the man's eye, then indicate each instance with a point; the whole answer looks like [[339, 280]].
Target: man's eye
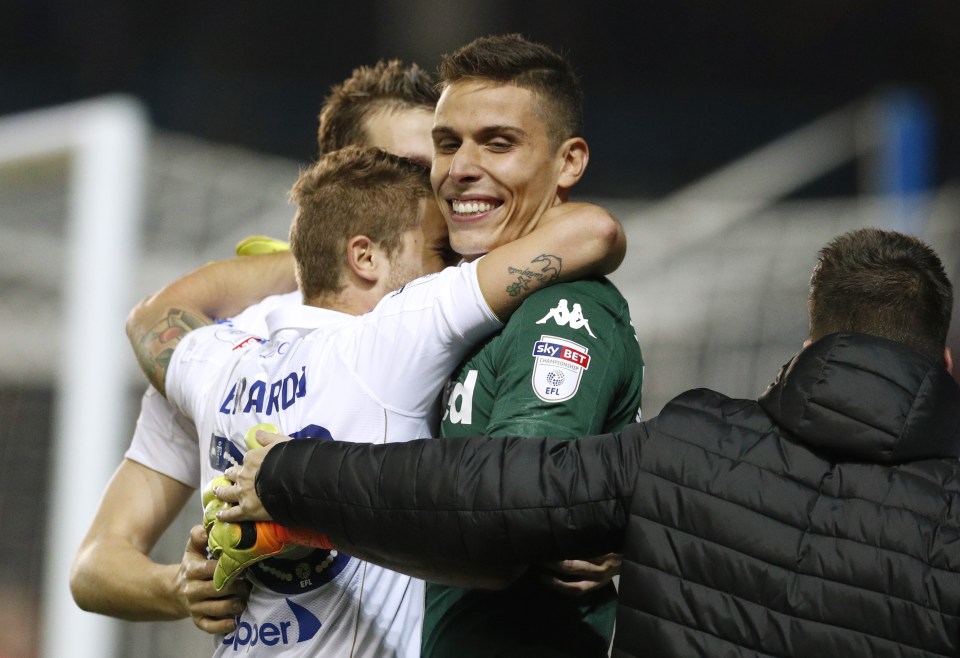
[[499, 145], [446, 146]]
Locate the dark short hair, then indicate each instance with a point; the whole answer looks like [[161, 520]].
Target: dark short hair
[[357, 190], [885, 284], [512, 59], [386, 86]]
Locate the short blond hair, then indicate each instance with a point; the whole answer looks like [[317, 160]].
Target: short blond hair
[[387, 86], [353, 191]]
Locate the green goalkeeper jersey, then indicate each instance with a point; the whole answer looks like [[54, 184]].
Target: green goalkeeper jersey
[[566, 364]]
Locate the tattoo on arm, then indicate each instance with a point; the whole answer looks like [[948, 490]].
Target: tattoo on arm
[[155, 347], [544, 269]]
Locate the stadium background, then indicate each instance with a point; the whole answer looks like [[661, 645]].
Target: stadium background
[[675, 93]]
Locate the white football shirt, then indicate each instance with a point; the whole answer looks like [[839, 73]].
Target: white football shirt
[[369, 378], [164, 439]]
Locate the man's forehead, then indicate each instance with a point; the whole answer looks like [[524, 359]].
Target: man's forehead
[[482, 86], [402, 131], [487, 102]]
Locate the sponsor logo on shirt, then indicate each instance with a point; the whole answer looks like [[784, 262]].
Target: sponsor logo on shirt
[[460, 400], [300, 571], [224, 453], [247, 342], [565, 317], [559, 364], [227, 333], [301, 628]]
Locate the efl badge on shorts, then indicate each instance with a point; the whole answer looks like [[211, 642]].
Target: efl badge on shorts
[[558, 367]]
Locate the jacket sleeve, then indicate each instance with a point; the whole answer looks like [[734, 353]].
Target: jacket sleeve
[[435, 509]]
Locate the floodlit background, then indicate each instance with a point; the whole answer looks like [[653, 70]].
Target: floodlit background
[[733, 140]]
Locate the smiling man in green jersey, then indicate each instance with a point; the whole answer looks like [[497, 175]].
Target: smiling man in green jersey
[[507, 146]]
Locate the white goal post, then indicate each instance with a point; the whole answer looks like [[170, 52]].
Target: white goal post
[[106, 142]]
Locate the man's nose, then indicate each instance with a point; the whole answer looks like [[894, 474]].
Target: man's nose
[[465, 164]]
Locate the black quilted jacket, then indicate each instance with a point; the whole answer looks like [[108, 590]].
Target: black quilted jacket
[[821, 520]]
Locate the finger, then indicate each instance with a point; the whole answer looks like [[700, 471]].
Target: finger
[[569, 588], [197, 542], [238, 589], [200, 593], [232, 473], [225, 608], [200, 570], [569, 567], [610, 559], [215, 626], [229, 494], [265, 438], [577, 568], [233, 514]]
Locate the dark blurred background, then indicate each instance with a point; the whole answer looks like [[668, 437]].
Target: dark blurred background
[[674, 89]]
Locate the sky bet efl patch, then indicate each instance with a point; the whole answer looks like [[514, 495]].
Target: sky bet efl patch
[[558, 367]]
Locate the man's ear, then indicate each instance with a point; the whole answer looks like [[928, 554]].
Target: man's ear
[[948, 359], [363, 258], [576, 155]]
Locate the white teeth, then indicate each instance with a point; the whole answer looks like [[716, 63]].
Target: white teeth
[[470, 207]]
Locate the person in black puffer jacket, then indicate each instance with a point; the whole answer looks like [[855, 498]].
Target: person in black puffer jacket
[[821, 520]]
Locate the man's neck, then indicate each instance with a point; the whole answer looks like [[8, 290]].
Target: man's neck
[[346, 301]]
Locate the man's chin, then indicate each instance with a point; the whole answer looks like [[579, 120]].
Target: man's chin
[[471, 246]]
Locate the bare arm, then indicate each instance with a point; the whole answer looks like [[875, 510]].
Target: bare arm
[[573, 240], [217, 290], [114, 575]]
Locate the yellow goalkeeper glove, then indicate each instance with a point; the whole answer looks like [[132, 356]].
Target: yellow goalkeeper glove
[[212, 504], [238, 545], [257, 245]]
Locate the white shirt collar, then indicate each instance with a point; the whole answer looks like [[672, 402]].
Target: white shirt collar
[[302, 317]]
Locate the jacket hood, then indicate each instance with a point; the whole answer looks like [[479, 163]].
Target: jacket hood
[[869, 398]]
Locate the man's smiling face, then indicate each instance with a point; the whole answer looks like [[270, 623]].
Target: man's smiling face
[[494, 169]]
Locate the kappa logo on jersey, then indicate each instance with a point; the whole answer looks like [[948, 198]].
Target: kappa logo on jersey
[[265, 398], [558, 367], [270, 634], [460, 400], [563, 316]]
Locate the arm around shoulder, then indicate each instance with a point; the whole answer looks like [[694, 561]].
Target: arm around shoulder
[[598, 234], [473, 497], [216, 290], [572, 241]]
